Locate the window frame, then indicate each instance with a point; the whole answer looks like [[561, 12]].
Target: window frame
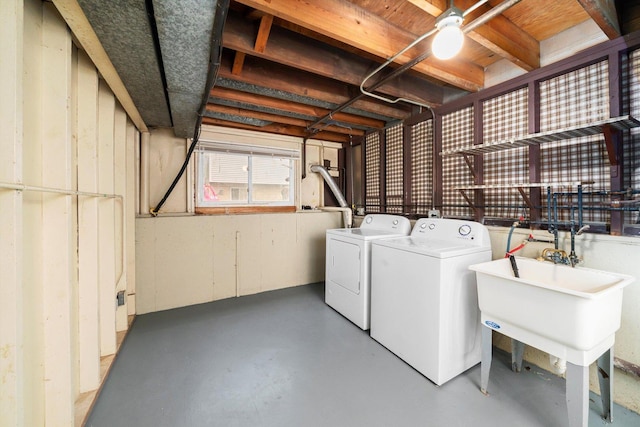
[[251, 151]]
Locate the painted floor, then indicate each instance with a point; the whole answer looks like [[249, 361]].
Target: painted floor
[[284, 358]]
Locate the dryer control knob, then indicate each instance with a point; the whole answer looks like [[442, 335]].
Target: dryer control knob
[[423, 226], [432, 226], [395, 222], [369, 219]]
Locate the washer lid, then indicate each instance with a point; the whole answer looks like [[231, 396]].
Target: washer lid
[[364, 233], [431, 247]]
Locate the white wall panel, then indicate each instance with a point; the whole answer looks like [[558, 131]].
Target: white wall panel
[[87, 132], [11, 301], [106, 220], [195, 259]]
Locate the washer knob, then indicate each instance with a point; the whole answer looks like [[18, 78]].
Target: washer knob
[[423, 225], [432, 226], [464, 230], [368, 220], [395, 222]]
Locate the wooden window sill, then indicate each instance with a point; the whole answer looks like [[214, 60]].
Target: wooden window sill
[[236, 210]]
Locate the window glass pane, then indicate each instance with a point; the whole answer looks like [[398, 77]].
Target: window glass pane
[[270, 178], [227, 179]]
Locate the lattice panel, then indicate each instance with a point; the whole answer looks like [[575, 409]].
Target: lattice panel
[[631, 147], [457, 132], [372, 172], [576, 98], [505, 117], [422, 167], [394, 169]]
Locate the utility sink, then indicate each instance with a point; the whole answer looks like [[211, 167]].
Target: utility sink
[[572, 313]]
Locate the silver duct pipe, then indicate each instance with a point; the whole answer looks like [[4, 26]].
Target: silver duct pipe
[[347, 213]]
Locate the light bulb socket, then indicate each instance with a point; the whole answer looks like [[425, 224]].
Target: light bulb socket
[[451, 16]]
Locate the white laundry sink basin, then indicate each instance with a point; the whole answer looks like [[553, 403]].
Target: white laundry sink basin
[[572, 313]]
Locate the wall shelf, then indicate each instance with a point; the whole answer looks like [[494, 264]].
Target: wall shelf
[[604, 126]]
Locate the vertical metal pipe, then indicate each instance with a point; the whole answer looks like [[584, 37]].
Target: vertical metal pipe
[[144, 172], [579, 206]]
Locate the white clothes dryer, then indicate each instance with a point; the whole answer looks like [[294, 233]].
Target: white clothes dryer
[[348, 264], [424, 300]]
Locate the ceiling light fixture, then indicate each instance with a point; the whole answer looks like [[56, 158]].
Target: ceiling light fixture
[[448, 42]]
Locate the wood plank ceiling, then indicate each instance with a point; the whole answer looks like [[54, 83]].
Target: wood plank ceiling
[[286, 64]]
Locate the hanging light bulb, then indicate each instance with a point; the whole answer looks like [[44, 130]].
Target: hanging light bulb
[[449, 40]]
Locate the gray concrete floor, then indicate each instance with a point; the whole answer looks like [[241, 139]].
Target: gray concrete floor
[[284, 358]]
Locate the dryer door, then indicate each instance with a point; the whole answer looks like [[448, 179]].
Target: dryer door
[[344, 265]]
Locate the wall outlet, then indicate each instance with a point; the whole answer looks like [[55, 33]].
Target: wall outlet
[[120, 298], [433, 213]]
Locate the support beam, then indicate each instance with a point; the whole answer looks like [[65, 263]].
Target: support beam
[[88, 40], [239, 112], [290, 83], [292, 107], [263, 33], [604, 13], [355, 26], [238, 63], [299, 52], [499, 35], [279, 129]]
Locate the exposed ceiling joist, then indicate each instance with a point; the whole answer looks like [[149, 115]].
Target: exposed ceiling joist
[[499, 35], [357, 27], [294, 83], [604, 13], [314, 57]]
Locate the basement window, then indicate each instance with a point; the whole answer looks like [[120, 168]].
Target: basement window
[[242, 176]]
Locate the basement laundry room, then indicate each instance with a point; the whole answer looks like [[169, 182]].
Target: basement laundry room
[[320, 213]]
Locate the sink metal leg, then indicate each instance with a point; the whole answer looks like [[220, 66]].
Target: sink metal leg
[[517, 351], [485, 364], [605, 378], [578, 395]]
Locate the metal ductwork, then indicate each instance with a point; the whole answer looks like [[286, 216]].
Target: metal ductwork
[[347, 213], [160, 49]]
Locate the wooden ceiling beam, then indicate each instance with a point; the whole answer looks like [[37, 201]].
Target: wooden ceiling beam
[[604, 13], [279, 129], [355, 26], [499, 35], [238, 63], [263, 33], [293, 107], [299, 52], [235, 111], [279, 78]]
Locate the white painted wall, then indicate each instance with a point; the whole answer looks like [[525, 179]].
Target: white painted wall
[[184, 259], [553, 49], [61, 253], [195, 259]]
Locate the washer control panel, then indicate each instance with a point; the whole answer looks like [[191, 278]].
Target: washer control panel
[[451, 229]]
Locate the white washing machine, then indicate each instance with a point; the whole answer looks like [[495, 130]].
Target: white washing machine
[[424, 300], [348, 264]]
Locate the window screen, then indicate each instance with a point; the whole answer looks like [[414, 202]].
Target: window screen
[[631, 79], [234, 175], [422, 167], [372, 172], [457, 132], [394, 169]]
